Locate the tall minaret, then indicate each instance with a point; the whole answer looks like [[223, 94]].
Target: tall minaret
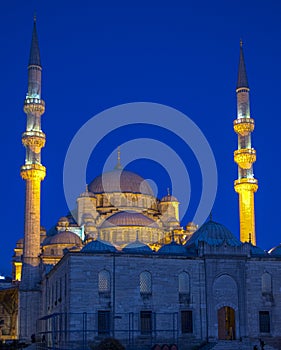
[[246, 185], [33, 172]]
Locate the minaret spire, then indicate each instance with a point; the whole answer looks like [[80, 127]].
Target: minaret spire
[[246, 185], [34, 56], [33, 172], [242, 80]]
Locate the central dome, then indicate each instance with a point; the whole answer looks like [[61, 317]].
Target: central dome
[[120, 181]]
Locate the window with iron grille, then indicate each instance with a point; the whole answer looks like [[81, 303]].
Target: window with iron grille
[[145, 322], [104, 281], [186, 321], [103, 322], [264, 319], [145, 283]]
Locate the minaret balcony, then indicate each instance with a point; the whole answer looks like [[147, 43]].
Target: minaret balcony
[[35, 140], [245, 157], [33, 172], [34, 105], [246, 184], [243, 126]]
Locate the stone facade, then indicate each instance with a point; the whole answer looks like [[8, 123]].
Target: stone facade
[[221, 278]]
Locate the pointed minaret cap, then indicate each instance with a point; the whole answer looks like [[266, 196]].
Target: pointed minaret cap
[[242, 81], [118, 165], [34, 56]]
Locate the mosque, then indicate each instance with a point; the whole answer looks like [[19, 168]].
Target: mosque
[[127, 269]]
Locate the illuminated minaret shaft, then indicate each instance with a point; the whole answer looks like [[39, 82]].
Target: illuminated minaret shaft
[[33, 172], [246, 185]]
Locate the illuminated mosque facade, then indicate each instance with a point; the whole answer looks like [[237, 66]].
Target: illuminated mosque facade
[[127, 268]]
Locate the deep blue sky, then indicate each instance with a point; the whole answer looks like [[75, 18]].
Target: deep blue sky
[[183, 54]]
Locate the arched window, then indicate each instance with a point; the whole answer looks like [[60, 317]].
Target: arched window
[[145, 283], [52, 252], [104, 281], [184, 285], [266, 283]]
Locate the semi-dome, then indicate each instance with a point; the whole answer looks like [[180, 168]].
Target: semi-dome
[[173, 248], [120, 180], [128, 218], [213, 233], [137, 247], [63, 237], [276, 251], [98, 246]]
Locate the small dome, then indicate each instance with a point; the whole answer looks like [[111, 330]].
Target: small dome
[[63, 237], [276, 251], [213, 233], [173, 248], [137, 247], [257, 251], [169, 198], [128, 218], [120, 181], [98, 246]]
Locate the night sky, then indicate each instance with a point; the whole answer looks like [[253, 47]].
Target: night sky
[[183, 54]]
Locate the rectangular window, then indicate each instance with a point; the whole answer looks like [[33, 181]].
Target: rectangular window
[[146, 322], [186, 321], [264, 321], [103, 322]]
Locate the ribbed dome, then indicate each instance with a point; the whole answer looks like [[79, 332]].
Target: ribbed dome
[[276, 251], [120, 181], [213, 233], [137, 247], [128, 218], [169, 198], [173, 248], [63, 237], [98, 246]]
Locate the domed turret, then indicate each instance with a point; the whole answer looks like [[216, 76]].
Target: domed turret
[[169, 207], [63, 223], [86, 205]]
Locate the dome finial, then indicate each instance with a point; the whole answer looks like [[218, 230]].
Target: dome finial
[[168, 191], [241, 43], [211, 216], [118, 165]]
